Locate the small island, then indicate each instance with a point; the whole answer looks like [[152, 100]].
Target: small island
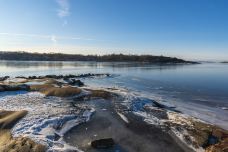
[[224, 62], [26, 56]]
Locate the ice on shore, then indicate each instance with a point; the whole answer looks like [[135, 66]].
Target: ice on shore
[[48, 118], [124, 118], [15, 80], [157, 114]]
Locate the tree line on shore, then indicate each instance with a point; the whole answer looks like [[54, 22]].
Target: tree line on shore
[[26, 56]]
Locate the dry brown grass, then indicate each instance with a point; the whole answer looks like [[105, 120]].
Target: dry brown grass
[[50, 90], [9, 144], [200, 132], [9, 118], [100, 94], [61, 92], [21, 144], [52, 81], [40, 87], [222, 145]]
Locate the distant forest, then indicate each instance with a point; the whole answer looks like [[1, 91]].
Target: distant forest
[[25, 56]]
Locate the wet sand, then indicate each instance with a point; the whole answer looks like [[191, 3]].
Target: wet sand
[[135, 136]]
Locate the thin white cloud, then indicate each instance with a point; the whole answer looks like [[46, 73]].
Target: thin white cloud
[[52, 38], [64, 8], [26, 35]]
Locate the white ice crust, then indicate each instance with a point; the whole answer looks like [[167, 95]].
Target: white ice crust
[[48, 118]]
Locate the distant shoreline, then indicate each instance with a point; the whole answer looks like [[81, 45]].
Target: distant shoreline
[[26, 56]]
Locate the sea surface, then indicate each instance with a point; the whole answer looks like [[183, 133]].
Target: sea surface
[[200, 90]]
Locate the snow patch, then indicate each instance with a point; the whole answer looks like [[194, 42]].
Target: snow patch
[[123, 117], [15, 80], [48, 118]]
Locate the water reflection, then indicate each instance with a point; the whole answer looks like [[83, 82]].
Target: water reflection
[[28, 64]]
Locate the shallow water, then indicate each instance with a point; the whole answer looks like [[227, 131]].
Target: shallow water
[[199, 90]]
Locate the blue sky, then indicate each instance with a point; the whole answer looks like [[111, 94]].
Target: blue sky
[[190, 29]]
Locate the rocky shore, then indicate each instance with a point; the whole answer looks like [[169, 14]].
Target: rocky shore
[[37, 111]]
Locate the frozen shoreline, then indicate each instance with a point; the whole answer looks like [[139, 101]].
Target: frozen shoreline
[[48, 118]]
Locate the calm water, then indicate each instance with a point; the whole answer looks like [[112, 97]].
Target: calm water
[[200, 90]]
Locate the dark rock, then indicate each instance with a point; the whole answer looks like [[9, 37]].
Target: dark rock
[[23, 87], [32, 77], [212, 140], [2, 89], [51, 76], [157, 112], [22, 77], [4, 78], [73, 81], [102, 143], [82, 97], [67, 80], [88, 75], [159, 105], [77, 82]]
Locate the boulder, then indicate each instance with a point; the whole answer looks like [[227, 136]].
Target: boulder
[[61, 76], [1, 89], [32, 77], [67, 80], [102, 143], [4, 78], [77, 82], [73, 81], [21, 77], [22, 87]]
